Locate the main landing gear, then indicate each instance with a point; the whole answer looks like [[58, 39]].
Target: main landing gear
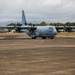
[[33, 37], [48, 37], [44, 37]]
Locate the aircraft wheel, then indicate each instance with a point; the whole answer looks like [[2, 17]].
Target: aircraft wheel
[[51, 37], [43, 37], [33, 37]]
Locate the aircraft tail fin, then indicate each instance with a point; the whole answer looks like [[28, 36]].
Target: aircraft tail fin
[[23, 18]]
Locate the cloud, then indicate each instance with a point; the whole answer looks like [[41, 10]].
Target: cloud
[[40, 10]]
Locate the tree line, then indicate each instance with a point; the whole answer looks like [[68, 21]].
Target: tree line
[[44, 24]]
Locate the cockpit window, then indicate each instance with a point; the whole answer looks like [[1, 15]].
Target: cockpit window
[[50, 28]]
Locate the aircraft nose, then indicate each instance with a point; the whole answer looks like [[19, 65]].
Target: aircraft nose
[[55, 32]]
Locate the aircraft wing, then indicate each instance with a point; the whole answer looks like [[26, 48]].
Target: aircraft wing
[[66, 28], [21, 27], [18, 28]]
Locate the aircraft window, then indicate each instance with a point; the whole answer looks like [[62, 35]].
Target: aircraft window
[[50, 28]]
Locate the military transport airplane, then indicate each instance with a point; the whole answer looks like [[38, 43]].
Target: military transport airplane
[[35, 31], [38, 31]]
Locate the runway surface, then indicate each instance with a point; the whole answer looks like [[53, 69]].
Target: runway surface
[[24, 56]]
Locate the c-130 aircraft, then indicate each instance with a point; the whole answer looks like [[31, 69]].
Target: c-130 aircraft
[[35, 31]]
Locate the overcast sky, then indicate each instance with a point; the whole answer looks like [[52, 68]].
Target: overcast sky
[[38, 10]]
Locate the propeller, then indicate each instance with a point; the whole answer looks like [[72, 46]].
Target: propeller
[[17, 29], [68, 28], [33, 28]]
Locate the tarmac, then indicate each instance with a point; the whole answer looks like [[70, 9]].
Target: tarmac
[[21, 55]]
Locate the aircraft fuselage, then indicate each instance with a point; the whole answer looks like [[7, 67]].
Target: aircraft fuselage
[[42, 31]]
